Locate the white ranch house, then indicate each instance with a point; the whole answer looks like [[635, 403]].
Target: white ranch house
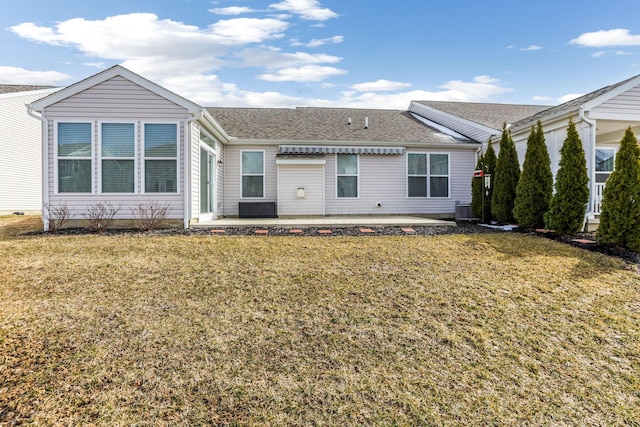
[[117, 137]]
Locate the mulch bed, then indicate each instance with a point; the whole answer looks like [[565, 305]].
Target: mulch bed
[[580, 240]]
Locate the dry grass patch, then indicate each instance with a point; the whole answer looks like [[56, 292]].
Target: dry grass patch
[[498, 329]]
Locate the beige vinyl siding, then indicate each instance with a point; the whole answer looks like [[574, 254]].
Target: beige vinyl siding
[[194, 152], [20, 154], [117, 98], [195, 173], [625, 106], [113, 100], [308, 177], [383, 179], [232, 176]]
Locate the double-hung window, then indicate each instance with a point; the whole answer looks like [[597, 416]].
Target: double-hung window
[[252, 174], [605, 160], [347, 175], [427, 175], [118, 157], [160, 158], [74, 153]]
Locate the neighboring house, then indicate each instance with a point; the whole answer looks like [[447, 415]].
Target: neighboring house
[[119, 138], [601, 118], [20, 150]]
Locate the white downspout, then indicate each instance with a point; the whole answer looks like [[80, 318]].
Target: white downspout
[[45, 165], [591, 168], [187, 167]]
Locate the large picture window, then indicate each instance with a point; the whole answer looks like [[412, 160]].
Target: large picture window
[[74, 150], [118, 157], [253, 174], [427, 175], [160, 158], [347, 175]]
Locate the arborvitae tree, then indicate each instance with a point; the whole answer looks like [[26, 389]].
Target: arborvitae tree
[[569, 202], [477, 190], [535, 187], [490, 168], [506, 178], [620, 217]]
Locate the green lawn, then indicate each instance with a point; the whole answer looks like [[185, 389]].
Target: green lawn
[[487, 329]]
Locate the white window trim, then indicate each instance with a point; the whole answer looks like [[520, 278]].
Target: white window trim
[[136, 155], [264, 175], [357, 175], [145, 158], [428, 176], [56, 158]]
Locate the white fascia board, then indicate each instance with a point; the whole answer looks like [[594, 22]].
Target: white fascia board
[[116, 70], [214, 127]]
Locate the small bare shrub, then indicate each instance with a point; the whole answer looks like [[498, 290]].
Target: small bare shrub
[[56, 216], [100, 216], [148, 216]]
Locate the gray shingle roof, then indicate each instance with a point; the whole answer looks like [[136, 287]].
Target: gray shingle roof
[[487, 114], [20, 88], [567, 107], [327, 124]]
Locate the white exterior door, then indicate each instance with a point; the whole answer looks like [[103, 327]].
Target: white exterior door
[[301, 189]]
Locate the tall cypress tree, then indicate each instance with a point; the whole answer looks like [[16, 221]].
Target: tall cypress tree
[[535, 187], [620, 217], [569, 202], [506, 178]]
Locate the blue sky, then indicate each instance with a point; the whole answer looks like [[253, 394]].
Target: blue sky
[[346, 53]]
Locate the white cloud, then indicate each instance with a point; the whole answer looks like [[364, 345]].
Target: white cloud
[[379, 86], [481, 89], [273, 58], [329, 40], [599, 54], [531, 48], [147, 36], [307, 73], [539, 98], [98, 65], [20, 76], [249, 30], [232, 10], [607, 38], [568, 97], [307, 9]]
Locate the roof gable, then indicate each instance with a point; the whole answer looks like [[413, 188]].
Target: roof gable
[[107, 74], [588, 101]]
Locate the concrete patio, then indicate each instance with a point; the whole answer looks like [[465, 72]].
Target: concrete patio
[[329, 221]]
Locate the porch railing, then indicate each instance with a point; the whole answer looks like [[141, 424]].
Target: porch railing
[[597, 198]]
